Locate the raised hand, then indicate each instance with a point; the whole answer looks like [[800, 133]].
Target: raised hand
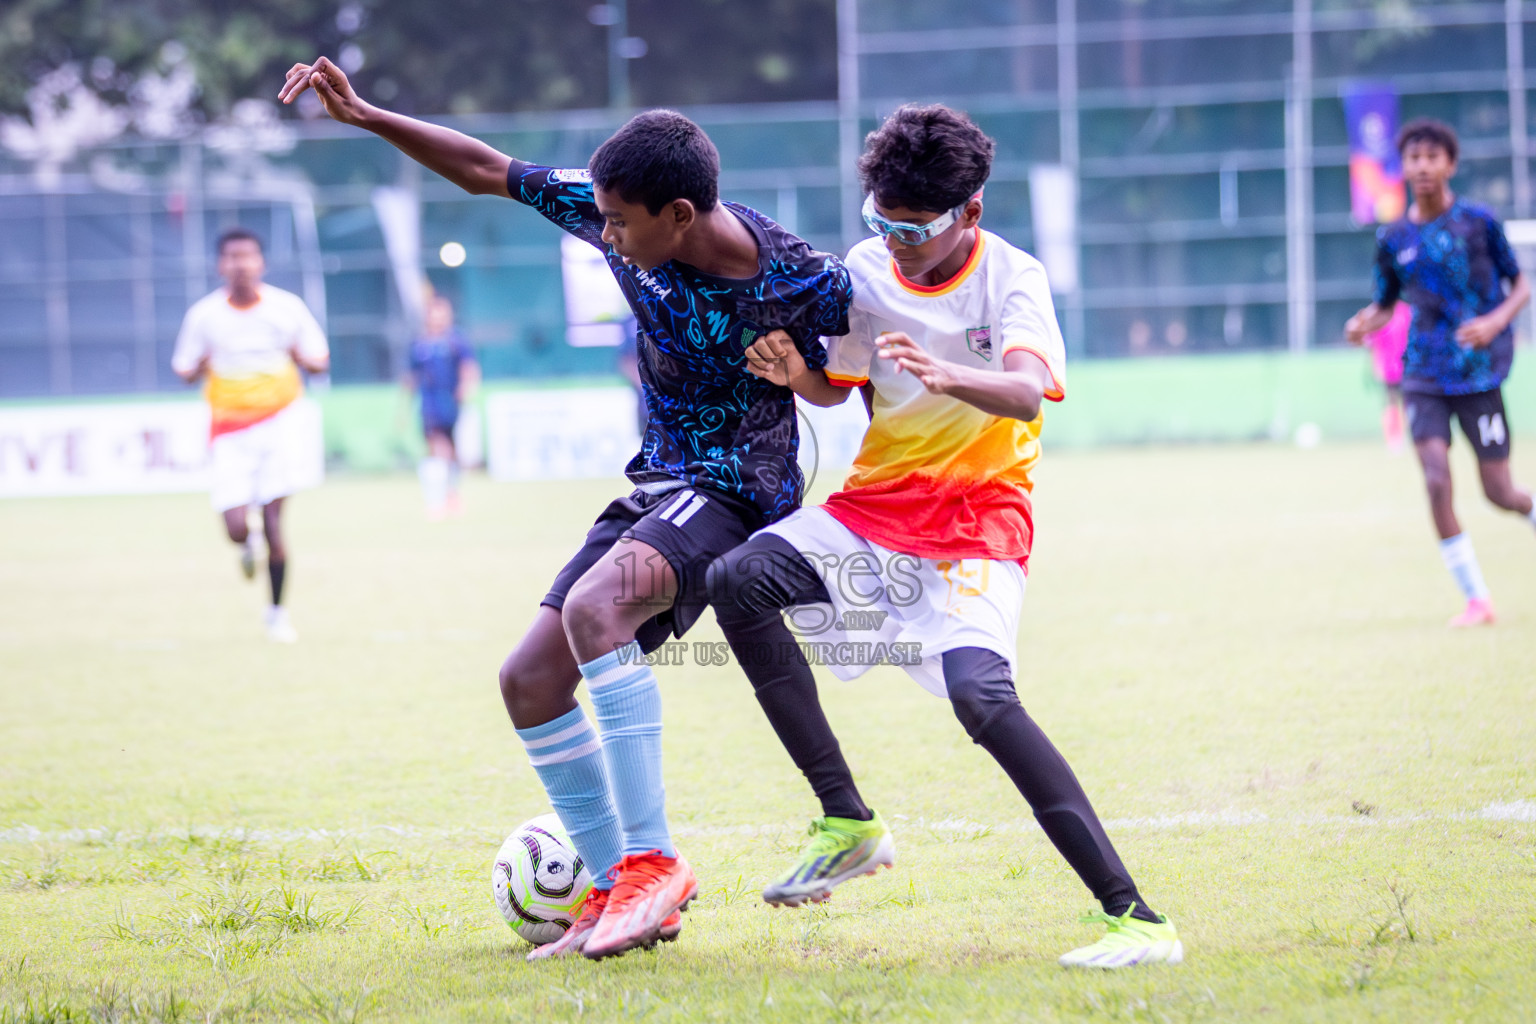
[[329, 83]]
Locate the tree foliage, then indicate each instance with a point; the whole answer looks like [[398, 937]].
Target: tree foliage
[[460, 56]]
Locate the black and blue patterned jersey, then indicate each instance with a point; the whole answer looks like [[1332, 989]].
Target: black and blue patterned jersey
[[712, 422], [1449, 270]]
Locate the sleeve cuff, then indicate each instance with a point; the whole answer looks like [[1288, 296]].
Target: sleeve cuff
[[1057, 390], [844, 381]]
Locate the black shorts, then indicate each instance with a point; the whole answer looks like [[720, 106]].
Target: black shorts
[[439, 414], [691, 527], [1481, 416]]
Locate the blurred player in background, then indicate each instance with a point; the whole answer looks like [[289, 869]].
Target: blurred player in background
[[444, 374], [704, 279], [1387, 346], [1448, 259], [954, 331], [250, 340]]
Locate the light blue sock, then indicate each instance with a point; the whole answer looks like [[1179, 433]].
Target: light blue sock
[[628, 705], [1461, 560], [568, 757]]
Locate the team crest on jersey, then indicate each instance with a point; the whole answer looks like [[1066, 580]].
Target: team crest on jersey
[[979, 340]]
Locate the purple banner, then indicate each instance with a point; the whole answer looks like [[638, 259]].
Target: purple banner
[[1375, 171]]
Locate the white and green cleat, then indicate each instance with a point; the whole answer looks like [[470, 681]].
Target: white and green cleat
[[1128, 943], [840, 849]]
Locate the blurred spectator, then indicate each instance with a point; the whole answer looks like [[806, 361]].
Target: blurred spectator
[[443, 371]]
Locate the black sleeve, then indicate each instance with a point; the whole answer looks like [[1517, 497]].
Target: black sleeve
[[1388, 287], [562, 195], [826, 315], [1504, 261]]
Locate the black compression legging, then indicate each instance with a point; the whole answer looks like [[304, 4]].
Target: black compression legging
[[981, 691], [748, 587], [752, 584]]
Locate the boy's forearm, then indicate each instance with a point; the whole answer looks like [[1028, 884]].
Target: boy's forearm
[[814, 387], [472, 165], [1011, 395]]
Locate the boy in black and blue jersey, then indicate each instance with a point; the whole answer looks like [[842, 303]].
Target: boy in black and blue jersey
[[705, 280], [1448, 258]]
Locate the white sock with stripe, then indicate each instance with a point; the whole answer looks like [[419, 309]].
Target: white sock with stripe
[[1461, 560], [568, 757]]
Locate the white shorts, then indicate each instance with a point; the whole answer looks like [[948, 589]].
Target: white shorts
[[882, 599], [268, 460]]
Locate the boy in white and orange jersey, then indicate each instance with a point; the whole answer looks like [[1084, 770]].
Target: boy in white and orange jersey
[[920, 560], [251, 340]]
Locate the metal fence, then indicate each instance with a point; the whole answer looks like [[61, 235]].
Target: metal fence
[[1207, 139]]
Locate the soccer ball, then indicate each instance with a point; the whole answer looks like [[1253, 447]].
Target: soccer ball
[[539, 881]]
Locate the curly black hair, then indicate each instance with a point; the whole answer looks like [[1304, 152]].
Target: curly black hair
[[659, 156], [928, 158], [1427, 129]]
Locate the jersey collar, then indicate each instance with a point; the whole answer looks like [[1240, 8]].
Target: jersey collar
[[230, 299], [932, 291]]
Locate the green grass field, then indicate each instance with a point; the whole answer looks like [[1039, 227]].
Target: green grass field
[[1241, 650]]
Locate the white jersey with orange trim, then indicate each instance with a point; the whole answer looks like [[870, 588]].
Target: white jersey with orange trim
[[251, 373], [937, 477]]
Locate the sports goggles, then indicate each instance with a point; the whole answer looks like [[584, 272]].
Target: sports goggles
[[906, 232]]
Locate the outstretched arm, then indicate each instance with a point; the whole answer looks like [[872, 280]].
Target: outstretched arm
[[467, 162]]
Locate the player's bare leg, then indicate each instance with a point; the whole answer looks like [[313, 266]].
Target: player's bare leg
[[629, 585], [1455, 547], [1435, 458], [539, 678], [237, 525], [538, 687], [1500, 488]]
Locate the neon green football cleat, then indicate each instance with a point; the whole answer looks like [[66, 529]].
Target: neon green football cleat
[[1128, 943], [840, 849]]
